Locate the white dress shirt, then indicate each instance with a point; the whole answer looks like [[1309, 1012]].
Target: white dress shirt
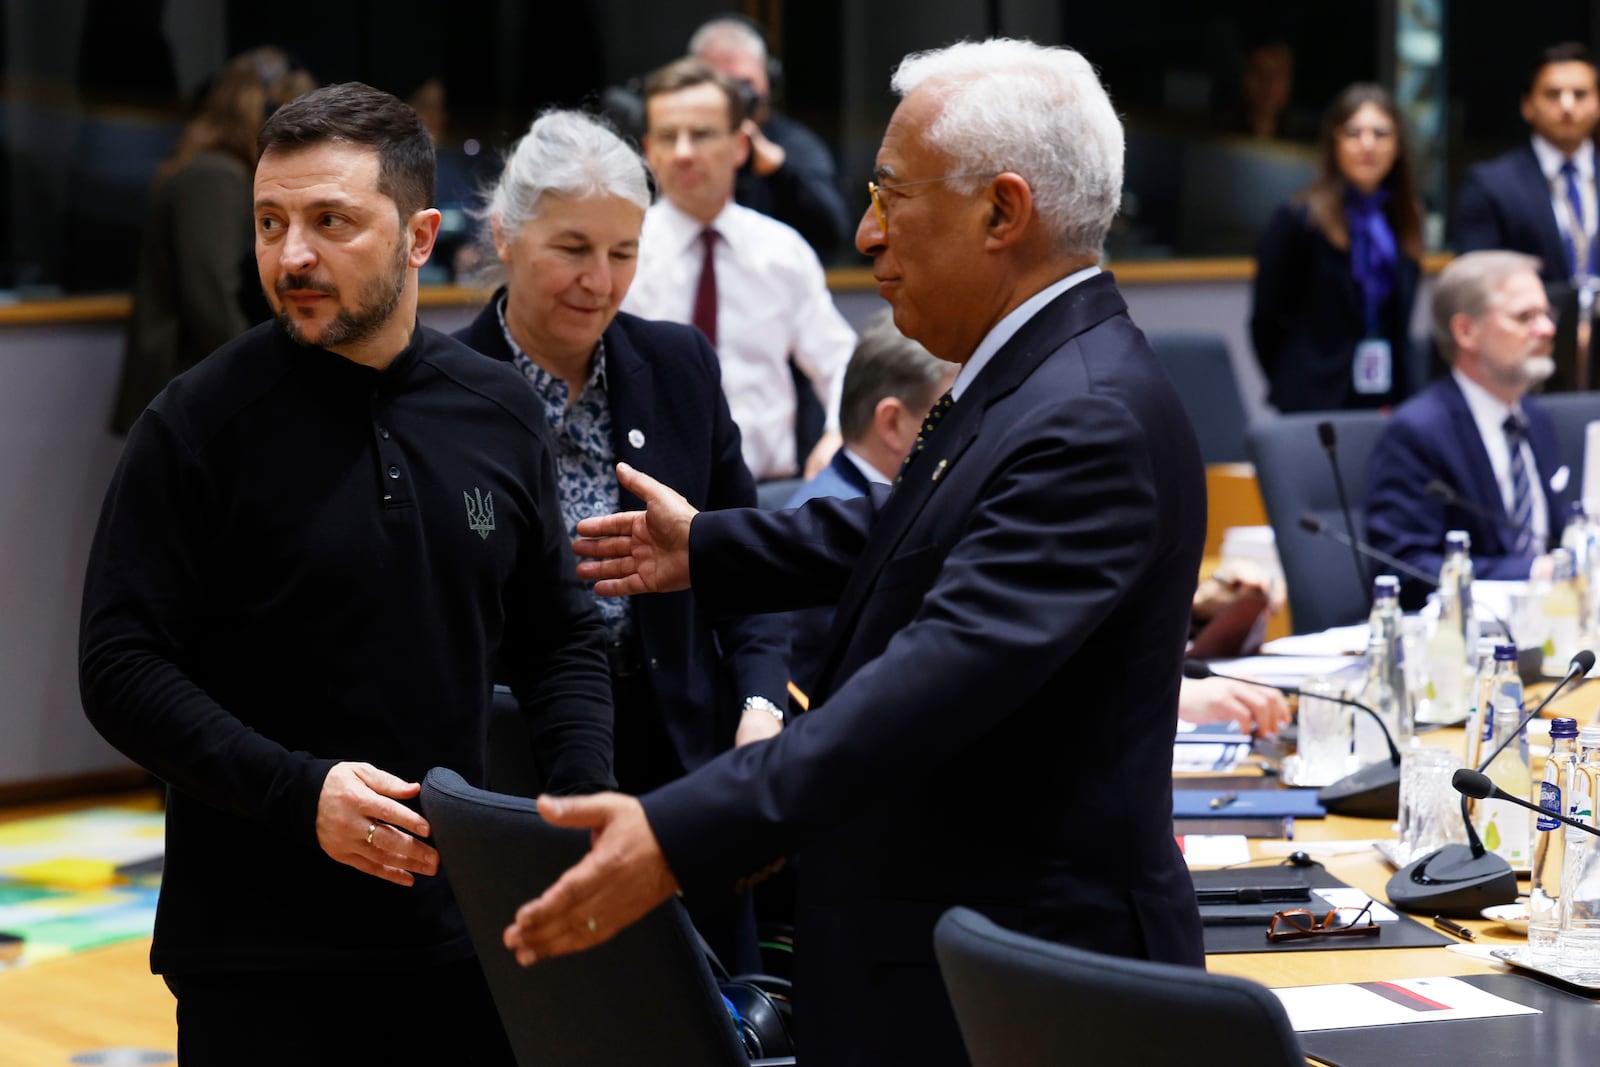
[[1490, 412], [1550, 160], [868, 471], [772, 302]]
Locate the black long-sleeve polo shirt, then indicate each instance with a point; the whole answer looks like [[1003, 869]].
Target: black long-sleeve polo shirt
[[300, 561]]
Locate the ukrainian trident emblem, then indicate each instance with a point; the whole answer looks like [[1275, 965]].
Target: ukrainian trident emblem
[[480, 512]]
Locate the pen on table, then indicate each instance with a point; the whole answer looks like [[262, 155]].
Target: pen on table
[[1454, 928], [1222, 800]]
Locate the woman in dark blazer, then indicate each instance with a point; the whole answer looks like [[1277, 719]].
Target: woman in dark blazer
[[1337, 268], [565, 218]]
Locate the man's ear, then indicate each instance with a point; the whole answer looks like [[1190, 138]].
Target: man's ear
[[742, 153], [423, 227], [890, 422], [1010, 209], [1464, 331]]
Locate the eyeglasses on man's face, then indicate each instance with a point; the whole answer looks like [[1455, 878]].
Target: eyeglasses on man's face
[[875, 189], [1299, 924]]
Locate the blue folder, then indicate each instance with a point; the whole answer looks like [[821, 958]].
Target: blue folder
[[1246, 804]]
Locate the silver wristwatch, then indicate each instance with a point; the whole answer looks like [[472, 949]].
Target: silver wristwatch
[[763, 704]]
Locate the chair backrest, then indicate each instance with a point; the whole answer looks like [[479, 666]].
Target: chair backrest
[[1571, 414], [1292, 469], [645, 996], [1199, 365], [1022, 1000]]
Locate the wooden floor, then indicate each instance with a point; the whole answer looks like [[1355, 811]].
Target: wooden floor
[[91, 1001]]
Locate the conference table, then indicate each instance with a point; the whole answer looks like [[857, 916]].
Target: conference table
[[1365, 869]]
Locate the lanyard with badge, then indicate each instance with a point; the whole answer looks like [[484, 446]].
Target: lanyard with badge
[[1372, 262], [1373, 366]]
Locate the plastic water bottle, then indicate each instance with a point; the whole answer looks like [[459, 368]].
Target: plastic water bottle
[[1386, 674], [1562, 614], [1504, 827], [1480, 696], [1550, 842], [1448, 677], [1578, 943]]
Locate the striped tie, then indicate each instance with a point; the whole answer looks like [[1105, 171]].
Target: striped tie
[[1521, 485], [929, 424]]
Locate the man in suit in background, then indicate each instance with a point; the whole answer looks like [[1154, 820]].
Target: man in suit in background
[[1539, 198], [790, 172], [1524, 200], [889, 386], [749, 282], [1019, 599], [1476, 430]]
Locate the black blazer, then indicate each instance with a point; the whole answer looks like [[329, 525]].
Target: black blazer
[[1307, 317], [993, 723], [664, 382], [1505, 203]]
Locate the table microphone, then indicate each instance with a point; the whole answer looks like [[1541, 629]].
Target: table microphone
[[1459, 881], [1446, 494], [1325, 434], [1311, 524], [1373, 792], [1479, 786]]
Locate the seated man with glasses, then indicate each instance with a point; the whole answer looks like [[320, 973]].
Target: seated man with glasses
[[1476, 430]]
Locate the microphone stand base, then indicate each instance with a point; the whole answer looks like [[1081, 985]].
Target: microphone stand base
[[1373, 792], [1453, 882]]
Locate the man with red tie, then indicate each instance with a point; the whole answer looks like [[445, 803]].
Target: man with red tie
[[751, 283]]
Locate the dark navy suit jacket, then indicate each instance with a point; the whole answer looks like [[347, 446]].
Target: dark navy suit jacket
[[808, 633], [993, 723], [664, 381], [1307, 315], [1505, 203], [1433, 436]]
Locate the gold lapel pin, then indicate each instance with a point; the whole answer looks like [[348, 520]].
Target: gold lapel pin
[[938, 472]]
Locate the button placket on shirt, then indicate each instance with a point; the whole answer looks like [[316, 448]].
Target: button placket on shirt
[[394, 482]]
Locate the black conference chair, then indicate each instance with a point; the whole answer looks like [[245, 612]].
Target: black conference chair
[[646, 996], [1292, 470], [1025, 1002], [1199, 365], [1572, 413]]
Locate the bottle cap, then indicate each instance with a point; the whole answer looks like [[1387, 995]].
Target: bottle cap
[[1563, 727], [1589, 736], [1458, 539], [1385, 586], [1505, 652]]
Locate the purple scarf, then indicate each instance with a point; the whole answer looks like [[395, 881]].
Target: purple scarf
[[1373, 252]]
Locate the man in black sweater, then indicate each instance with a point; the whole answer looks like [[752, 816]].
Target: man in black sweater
[[315, 547]]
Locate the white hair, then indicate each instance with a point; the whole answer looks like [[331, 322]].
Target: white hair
[[736, 34], [566, 153], [1041, 113]]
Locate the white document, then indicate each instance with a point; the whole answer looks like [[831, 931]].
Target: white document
[[1339, 641], [1285, 670], [1214, 850], [1403, 1000]]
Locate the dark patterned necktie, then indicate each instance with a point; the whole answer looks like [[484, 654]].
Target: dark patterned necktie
[[1521, 484], [929, 424]]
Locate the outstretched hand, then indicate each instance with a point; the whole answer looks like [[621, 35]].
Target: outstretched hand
[[623, 876], [638, 551]]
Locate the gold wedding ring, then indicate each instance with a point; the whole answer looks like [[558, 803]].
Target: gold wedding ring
[[372, 828]]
